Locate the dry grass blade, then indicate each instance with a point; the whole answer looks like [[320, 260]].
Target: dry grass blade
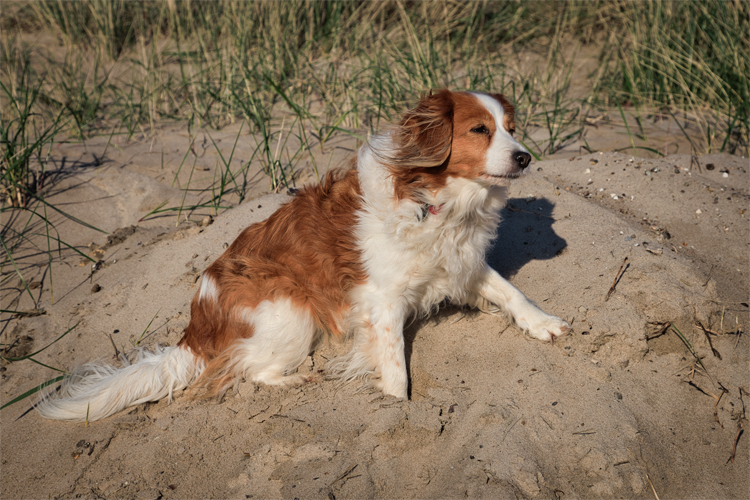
[[342, 477], [659, 329], [740, 417], [652, 486], [724, 390], [507, 430], [739, 333], [584, 433], [617, 279], [694, 353], [117, 351], [29, 313], [145, 330], [708, 334]]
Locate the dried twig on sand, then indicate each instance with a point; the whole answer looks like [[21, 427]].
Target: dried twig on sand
[[117, 352], [617, 279], [659, 329], [692, 351], [708, 334], [724, 390], [652, 486], [740, 426]]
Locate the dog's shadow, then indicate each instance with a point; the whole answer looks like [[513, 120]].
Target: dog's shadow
[[525, 234]]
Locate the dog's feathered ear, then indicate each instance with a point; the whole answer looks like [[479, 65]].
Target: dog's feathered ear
[[425, 134]]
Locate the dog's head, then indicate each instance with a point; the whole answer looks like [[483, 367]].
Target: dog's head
[[457, 134]]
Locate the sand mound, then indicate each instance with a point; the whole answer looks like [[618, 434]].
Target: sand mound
[[620, 408]]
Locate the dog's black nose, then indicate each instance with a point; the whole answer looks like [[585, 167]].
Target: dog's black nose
[[523, 159]]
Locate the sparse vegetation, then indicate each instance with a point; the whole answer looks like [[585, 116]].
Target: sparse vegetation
[[347, 65]]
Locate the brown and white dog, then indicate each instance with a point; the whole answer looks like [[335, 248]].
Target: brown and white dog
[[401, 231]]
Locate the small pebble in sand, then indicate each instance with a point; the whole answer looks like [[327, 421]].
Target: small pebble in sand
[[96, 288], [698, 211]]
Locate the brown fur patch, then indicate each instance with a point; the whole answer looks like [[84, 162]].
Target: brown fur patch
[[423, 137], [305, 251]]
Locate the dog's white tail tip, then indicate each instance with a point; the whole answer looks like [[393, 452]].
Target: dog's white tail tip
[[97, 390]]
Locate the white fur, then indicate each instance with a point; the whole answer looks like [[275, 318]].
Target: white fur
[[97, 390], [526, 314], [282, 339], [208, 289]]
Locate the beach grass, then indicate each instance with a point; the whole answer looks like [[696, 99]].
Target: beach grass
[[346, 65]]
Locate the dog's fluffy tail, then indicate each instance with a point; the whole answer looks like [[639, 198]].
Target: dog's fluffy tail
[[95, 391]]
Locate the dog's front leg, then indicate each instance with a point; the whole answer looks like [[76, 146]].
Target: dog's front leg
[[527, 315], [387, 332]]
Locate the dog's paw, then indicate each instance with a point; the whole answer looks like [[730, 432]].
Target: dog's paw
[[398, 393], [398, 390], [543, 326]]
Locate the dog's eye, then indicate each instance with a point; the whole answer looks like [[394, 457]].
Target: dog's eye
[[512, 131], [481, 129]]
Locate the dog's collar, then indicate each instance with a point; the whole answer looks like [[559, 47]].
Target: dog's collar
[[430, 209]]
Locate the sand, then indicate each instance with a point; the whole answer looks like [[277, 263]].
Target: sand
[[612, 410]]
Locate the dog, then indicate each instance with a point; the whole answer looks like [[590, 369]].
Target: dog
[[401, 231]]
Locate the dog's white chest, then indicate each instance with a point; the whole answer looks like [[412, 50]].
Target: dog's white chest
[[424, 261]]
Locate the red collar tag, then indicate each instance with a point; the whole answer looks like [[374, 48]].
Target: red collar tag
[[435, 210]]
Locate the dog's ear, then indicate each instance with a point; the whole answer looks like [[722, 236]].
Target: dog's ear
[[425, 134]]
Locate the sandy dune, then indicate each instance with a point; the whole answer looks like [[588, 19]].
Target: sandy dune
[[605, 412]]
